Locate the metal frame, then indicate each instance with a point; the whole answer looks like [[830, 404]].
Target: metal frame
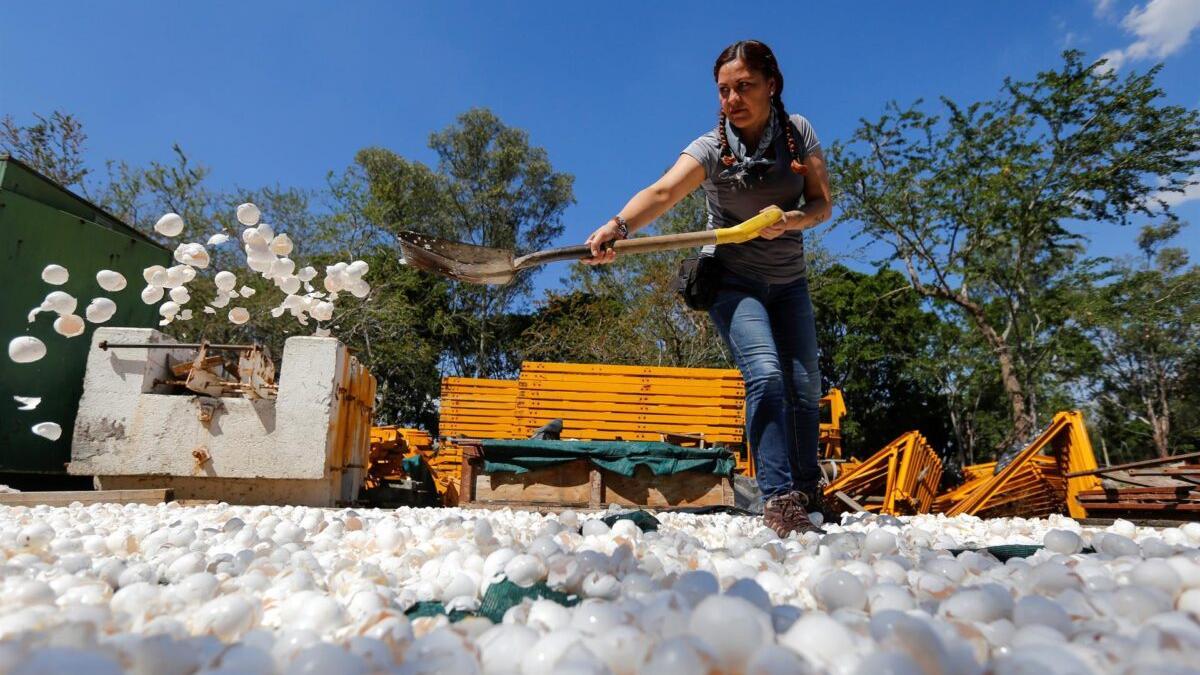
[[1074, 463], [900, 479]]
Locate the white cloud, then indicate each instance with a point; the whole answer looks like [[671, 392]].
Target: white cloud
[[1114, 59], [1102, 7], [1162, 27], [1189, 194]]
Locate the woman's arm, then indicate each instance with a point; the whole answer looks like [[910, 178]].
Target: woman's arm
[[650, 203], [678, 182], [818, 204]]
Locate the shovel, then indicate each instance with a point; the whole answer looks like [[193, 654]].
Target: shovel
[[483, 265]]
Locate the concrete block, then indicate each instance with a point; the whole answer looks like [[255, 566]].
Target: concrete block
[[129, 427]]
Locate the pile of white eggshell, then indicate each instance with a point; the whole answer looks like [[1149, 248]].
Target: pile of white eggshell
[[29, 349], [229, 589], [63, 304], [266, 254]]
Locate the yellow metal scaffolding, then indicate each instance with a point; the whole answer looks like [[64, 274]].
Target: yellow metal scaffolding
[[1032, 484], [900, 479]]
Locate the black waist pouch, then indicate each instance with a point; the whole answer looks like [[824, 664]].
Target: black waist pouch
[[698, 281]]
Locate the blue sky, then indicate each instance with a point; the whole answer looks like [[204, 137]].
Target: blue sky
[[281, 93]]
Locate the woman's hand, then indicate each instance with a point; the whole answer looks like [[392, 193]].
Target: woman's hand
[[603, 234], [818, 205], [775, 229], [796, 220]]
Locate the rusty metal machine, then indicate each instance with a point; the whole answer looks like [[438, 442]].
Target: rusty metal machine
[[213, 373]]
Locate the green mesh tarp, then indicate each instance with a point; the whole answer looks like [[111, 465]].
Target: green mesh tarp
[[621, 457], [415, 467], [500, 597], [434, 608], [504, 594], [1003, 552], [643, 519]]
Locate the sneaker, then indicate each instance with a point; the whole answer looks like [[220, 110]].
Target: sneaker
[[785, 514], [829, 508]]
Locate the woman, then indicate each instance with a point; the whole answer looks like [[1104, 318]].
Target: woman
[[757, 157]]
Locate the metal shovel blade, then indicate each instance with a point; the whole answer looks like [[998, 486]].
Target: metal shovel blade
[[466, 262]]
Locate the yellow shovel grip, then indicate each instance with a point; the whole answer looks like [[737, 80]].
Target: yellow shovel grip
[[747, 230]]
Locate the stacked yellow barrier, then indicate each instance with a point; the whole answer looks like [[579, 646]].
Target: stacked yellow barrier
[[606, 402], [383, 461], [1037, 488], [974, 475], [471, 407], [632, 403]]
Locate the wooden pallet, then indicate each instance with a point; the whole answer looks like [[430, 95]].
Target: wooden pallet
[[85, 497], [580, 484], [685, 406]]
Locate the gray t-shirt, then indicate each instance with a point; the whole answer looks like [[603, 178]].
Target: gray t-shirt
[[732, 200]]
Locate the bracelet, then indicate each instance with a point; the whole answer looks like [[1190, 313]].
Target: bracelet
[[622, 227]]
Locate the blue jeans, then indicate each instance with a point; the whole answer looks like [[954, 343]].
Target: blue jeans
[[770, 331]]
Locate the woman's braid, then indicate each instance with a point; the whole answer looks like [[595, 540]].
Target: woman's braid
[[797, 165], [727, 157]]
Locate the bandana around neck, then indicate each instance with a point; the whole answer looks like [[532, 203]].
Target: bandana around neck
[[746, 163]]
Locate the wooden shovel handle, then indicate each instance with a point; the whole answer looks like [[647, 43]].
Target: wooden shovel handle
[[737, 234], [664, 242]]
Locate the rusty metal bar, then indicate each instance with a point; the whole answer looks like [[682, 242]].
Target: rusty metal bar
[[1143, 506], [1133, 465], [1168, 490], [1167, 471], [106, 345], [232, 385], [1128, 482]]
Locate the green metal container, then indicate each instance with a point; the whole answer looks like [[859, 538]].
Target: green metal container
[[41, 223]]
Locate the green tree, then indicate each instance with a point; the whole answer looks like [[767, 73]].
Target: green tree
[[400, 330], [141, 195], [400, 334], [964, 372], [1147, 325], [575, 326], [500, 191], [976, 204], [874, 335], [52, 145], [490, 187], [627, 312]]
